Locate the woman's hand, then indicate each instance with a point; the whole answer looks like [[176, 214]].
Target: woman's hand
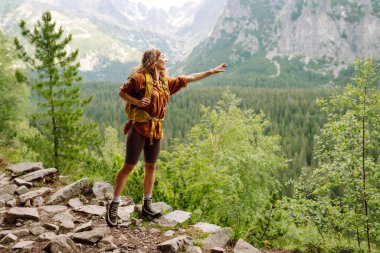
[[143, 102], [220, 68]]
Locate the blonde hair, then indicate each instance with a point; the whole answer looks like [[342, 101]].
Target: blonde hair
[[148, 60]]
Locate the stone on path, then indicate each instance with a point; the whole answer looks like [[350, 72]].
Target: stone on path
[[124, 212], [75, 203], [244, 247], [50, 226], [84, 227], [5, 197], [66, 220], [9, 189], [161, 206], [23, 245], [22, 189], [207, 227], [33, 194], [24, 213], [169, 233], [193, 249], [21, 182], [53, 209], [21, 232], [219, 238], [176, 244], [92, 209], [106, 244], [92, 236], [37, 174], [47, 236], [102, 190], [173, 218], [8, 238], [217, 250], [69, 191], [61, 244], [24, 167], [37, 230]]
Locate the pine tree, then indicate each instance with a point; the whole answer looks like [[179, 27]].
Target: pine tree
[[60, 115]]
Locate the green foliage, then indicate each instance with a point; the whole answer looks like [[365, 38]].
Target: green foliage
[[341, 196], [65, 139], [296, 13], [225, 170]]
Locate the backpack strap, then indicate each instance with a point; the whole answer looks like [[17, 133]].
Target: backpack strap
[[148, 86]]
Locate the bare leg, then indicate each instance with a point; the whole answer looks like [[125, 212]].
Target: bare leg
[[121, 178], [149, 178]]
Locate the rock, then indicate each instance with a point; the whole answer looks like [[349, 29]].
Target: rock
[[169, 233], [22, 189], [50, 226], [217, 250], [124, 212], [173, 218], [24, 213], [193, 249], [38, 174], [124, 224], [8, 238], [24, 167], [64, 179], [102, 190], [37, 230], [84, 227], [23, 245], [53, 209], [244, 247], [10, 189], [66, 220], [92, 236], [33, 194], [92, 209], [75, 203], [4, 233], [6, 197], [48, 236], [39, 201], [154, 231], [219, 238], [11, 203], [176, 244], [207, 227], [107, 244], [69, 191], [21, 182], [21, 232], [61, 244], [161, 206]]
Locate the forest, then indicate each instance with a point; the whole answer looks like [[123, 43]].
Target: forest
[[286, 168]]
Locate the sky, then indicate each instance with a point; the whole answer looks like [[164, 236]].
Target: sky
[[164, 4]]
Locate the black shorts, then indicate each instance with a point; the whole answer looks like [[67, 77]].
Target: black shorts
[[136, 143]]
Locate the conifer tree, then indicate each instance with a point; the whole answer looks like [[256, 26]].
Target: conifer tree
[[54, 71]]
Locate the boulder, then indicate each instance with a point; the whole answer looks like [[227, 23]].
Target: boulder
[[207, 227], [219, 238], [24, 213], [25, 167], [92, 236], [69, 191], [102, 190], [173, 218], [244, 247], [23, 245], [9, 189], [61, 244], [38, 174], [177, 244], [124, 212], [33, 194], [53, 209]]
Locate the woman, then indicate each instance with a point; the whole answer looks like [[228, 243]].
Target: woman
[[146, 93]]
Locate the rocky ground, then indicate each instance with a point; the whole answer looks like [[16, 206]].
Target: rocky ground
[[41, 211]]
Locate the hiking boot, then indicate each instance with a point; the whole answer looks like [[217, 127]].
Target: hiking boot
[[148, 210], [111, 213]]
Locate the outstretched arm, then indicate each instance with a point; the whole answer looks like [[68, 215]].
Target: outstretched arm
[[199, 76]]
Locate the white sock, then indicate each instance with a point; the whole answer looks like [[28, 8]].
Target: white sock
[[116, 199], [149, 196]]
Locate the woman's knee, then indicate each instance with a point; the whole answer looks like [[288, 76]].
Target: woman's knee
[[150, 167], [127, 168]]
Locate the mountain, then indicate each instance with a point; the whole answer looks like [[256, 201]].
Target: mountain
[[272, 42], [112, 34]]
